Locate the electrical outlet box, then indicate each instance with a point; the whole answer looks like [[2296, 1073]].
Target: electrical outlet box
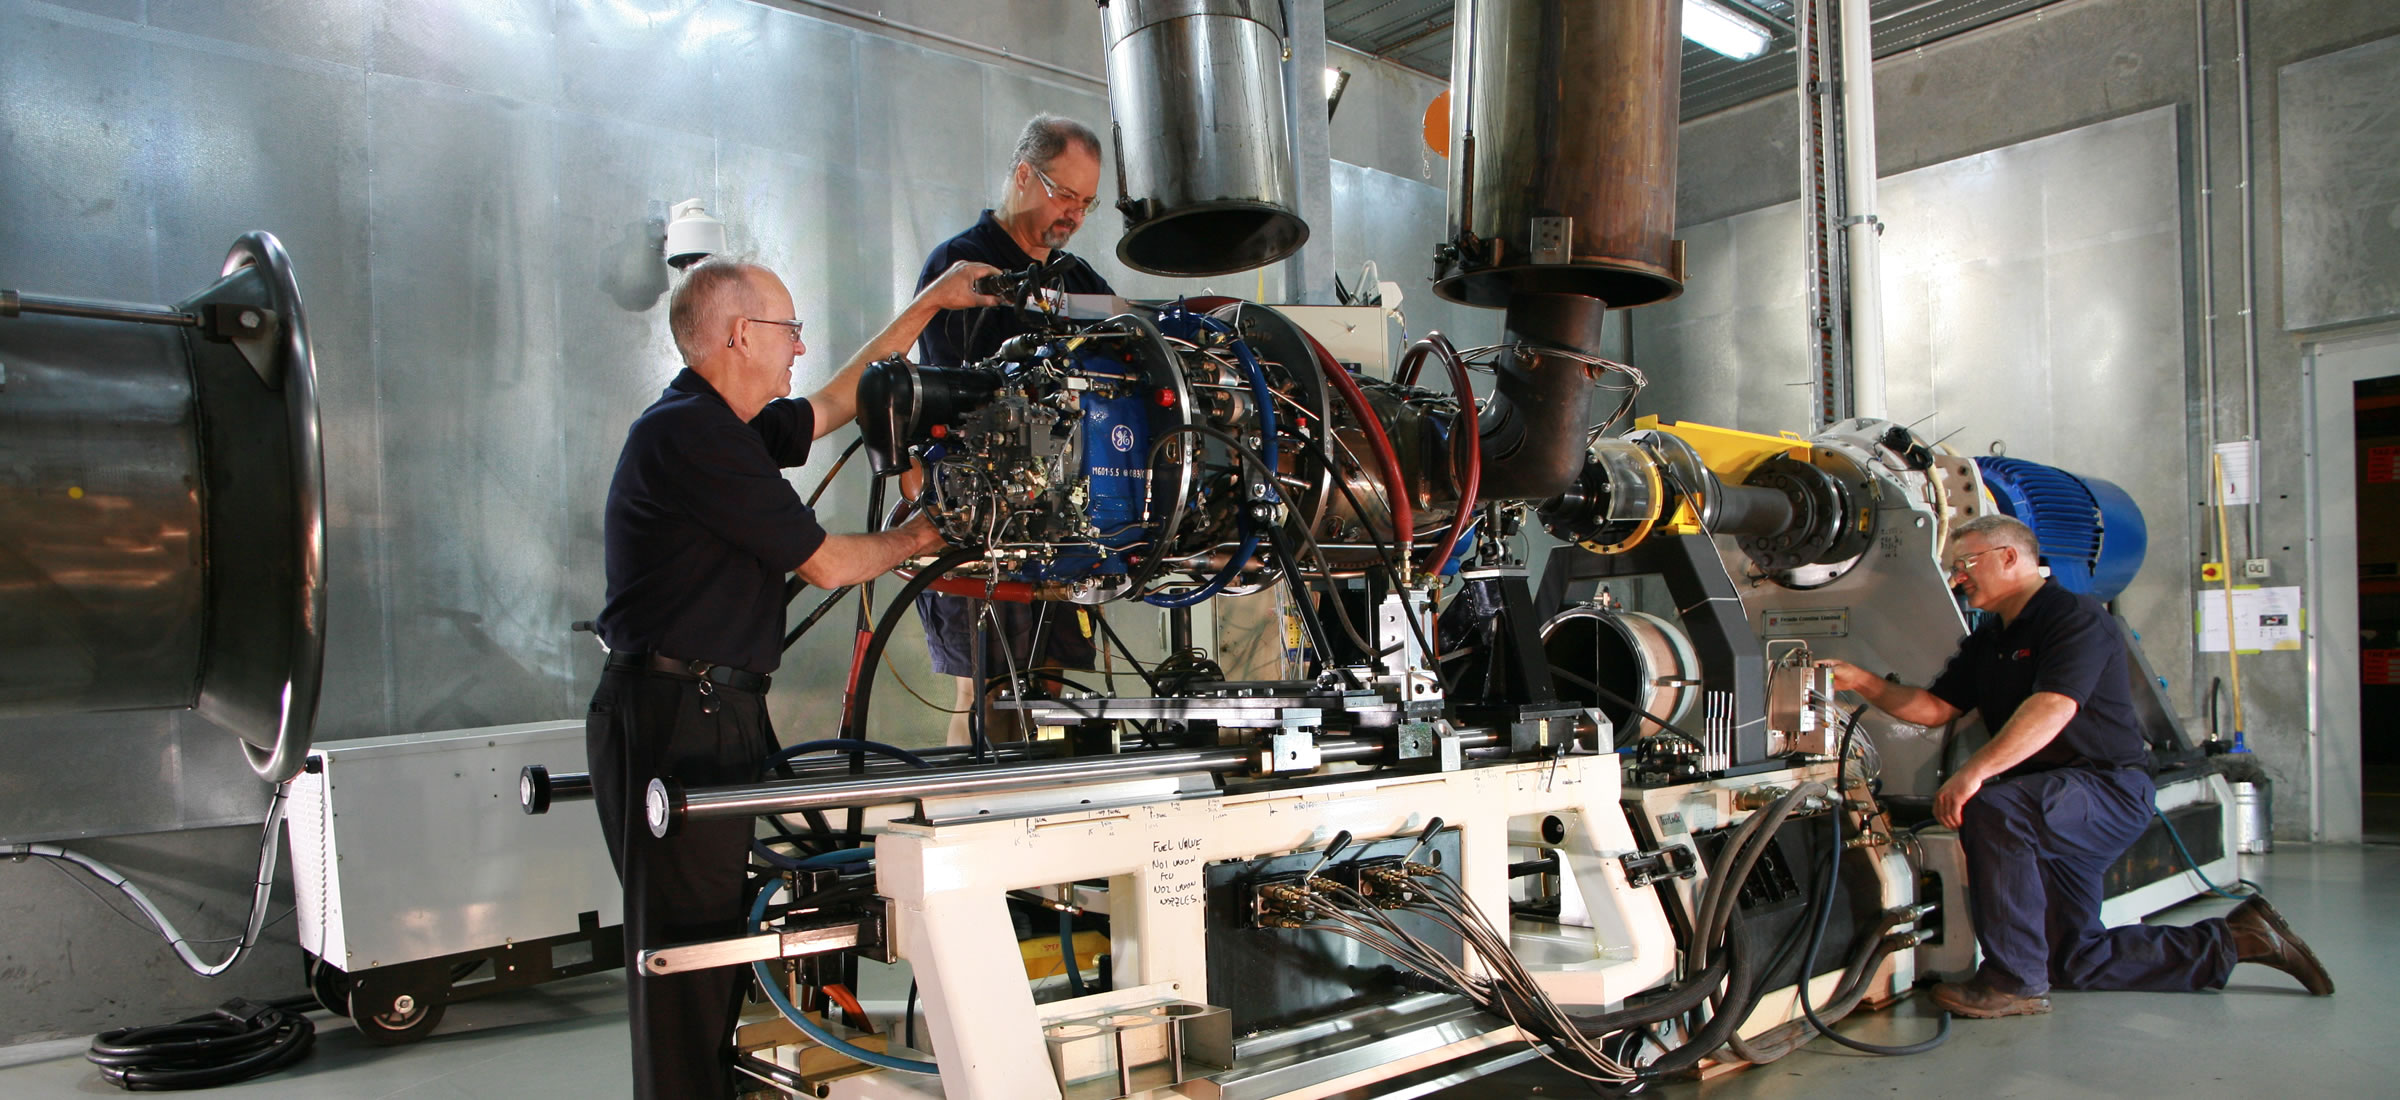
[[2254, 567]]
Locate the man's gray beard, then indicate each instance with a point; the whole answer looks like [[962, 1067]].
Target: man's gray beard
[[1054, 237]]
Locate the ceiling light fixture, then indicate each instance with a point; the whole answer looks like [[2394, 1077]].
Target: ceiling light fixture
[[1724, 30]]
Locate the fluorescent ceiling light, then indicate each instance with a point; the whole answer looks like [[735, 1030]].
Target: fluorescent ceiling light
[[1722, 29]]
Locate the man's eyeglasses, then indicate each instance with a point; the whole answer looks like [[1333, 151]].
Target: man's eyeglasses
[[793, 325], [1051, 188], [1961, 563]]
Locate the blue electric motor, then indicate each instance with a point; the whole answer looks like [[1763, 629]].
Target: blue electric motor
[[2091, 532]]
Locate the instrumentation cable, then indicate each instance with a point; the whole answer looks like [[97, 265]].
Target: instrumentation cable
[[262, 884]]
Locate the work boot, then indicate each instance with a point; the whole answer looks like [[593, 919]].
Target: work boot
[[1978, 999], [2261, 936]]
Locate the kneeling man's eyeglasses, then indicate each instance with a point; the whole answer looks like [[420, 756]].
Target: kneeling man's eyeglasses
[[1961, 563]]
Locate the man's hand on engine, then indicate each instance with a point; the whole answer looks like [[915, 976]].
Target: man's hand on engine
[[956, 288], [928, 537], [1847, 676]]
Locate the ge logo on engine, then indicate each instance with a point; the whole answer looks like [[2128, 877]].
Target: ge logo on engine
[[1121, 437]]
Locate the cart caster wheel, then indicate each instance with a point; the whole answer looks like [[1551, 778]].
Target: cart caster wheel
[[391, 1019], [331, 986]]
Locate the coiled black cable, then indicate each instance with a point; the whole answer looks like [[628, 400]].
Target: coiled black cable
[[1824, 914], [237, 1041]]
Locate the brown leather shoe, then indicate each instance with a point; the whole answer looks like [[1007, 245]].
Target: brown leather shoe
[[2261, 936], [1977, 999]]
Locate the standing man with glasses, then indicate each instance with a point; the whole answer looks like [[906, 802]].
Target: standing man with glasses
[[1052, 185], [700, 530], [2059, 793]]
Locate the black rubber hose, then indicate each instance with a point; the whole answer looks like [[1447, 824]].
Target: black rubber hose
[[1816, 936], [830, 600], [1718, 970], [1741, 995], [1766, 822], [1847, 994], [237, 1041], [854, 724]]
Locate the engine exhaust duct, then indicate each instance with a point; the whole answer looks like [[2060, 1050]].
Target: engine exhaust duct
[[1562, 166], [1562, 205], [162, 517], [1203, 151]]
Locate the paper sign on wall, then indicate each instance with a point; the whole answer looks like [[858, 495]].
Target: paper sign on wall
[[2239, 462], [2264, 619]]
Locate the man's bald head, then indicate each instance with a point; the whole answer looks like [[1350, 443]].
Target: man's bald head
[[712, 295]]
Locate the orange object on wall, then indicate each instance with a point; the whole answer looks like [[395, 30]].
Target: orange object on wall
[[1437, 125]]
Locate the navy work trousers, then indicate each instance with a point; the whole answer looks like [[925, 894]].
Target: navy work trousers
[[2036, 847], [644, 725]]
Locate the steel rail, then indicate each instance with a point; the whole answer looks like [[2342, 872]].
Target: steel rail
[[668, 805]]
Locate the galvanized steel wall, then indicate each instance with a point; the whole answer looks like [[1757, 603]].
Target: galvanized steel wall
[[2033, 301], [473, 194]]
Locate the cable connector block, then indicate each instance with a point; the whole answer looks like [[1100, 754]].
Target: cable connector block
[[242, 1010]]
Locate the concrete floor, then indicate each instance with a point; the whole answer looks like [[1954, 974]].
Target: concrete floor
[[2260, 1034]]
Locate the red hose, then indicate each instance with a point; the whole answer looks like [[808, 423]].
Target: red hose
[[1004, 591], [1471, 481], [1404, 517]]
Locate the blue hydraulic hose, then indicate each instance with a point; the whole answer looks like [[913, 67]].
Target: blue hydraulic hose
[[783, 1004], [1267, 451], [2194, 864]]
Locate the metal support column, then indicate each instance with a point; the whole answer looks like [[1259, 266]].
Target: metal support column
[[1308, 274]]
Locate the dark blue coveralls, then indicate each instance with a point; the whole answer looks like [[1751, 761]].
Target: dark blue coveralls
[[956, 336], [700, 530], [2039, 837]]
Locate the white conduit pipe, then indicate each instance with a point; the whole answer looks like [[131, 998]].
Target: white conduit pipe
[[264, 883], [1859, 225]]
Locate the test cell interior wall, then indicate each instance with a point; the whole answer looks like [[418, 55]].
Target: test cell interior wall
[[2319, 88], [474, 192]]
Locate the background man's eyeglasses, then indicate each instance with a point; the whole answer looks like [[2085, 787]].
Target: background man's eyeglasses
[[1050, 187]]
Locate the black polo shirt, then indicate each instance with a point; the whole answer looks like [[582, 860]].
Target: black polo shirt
[[2063, 642], [701, 528], [956, 336]]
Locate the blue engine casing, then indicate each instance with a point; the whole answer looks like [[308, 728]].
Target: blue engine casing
[[2092, 534], [1113, 445]]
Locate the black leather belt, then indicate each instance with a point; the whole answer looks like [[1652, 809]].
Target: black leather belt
[[734, 678]]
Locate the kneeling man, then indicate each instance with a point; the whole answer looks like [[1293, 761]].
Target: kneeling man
[[2062, 790]]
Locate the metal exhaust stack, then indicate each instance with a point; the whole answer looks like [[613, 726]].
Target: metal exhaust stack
[[1204, 155], [162, 517], [1562, 203]]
